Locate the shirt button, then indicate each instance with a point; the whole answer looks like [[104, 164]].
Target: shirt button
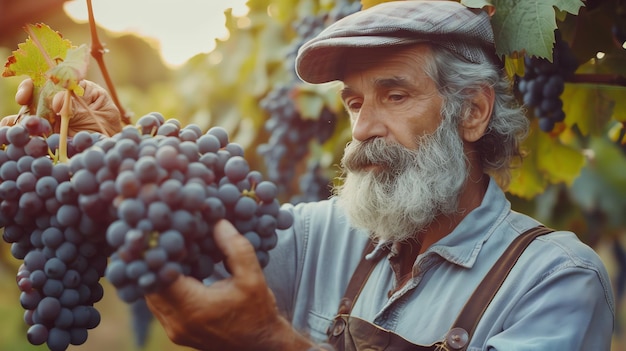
[[457, 338], [339, 327]]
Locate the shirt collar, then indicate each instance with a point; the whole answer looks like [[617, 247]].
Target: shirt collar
[[464, 243]]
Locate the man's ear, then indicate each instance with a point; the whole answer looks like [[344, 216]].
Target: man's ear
[[475, 123]]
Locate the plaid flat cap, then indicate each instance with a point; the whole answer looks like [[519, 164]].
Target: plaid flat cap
[[450, 24]]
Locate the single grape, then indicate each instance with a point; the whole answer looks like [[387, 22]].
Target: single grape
[[37, 334], [236, 169]]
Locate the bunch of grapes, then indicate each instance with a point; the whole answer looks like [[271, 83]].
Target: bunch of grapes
[[169, 191], [309, 26], [313, 184], [291, 134], [305, 28], [63, 249], [544, 81], [138, 207]]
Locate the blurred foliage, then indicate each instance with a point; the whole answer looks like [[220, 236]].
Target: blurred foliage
[[573, 179]]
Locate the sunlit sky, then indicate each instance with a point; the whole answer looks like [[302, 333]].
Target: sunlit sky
[[180, 28]]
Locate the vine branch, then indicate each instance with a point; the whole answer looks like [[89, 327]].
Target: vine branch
[[602, 79], [97, 52]]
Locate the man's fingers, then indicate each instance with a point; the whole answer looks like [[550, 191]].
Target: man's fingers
[[155, 300], [57, 101], [8, 120], [178, 291], [240, 256], [24, 93], [92, 92]]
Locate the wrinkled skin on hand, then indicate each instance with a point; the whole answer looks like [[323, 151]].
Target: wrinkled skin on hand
[[235, 313], [95, 97]]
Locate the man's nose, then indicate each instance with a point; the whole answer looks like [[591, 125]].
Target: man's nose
[[369, 123]]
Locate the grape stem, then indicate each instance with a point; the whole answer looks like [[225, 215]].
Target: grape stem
[[97, 52], [601, 79], [66, 114]]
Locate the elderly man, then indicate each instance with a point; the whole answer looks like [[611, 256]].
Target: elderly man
[[419, 248], [401, 258]]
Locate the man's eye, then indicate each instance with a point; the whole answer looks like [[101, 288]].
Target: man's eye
[[396, 97], [356, 105]]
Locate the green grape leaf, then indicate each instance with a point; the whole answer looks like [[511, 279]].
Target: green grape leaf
[[590, 107], [549, 161], [40, 52], [602, 183], [72, 70], [526, 180], [310, 99], [369, 3], [309, 104], [619, 109], [558, 162], [525, 26], [514, 66], [610, 162]]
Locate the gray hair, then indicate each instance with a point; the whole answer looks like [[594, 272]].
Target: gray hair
[[457, 81]]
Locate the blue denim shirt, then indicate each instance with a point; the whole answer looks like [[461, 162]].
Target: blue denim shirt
[[557, 297]]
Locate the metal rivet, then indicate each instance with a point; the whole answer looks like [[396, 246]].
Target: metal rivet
[[339, 327], [457, 338]]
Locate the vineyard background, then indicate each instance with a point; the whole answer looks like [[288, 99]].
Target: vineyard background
[[574, 178]]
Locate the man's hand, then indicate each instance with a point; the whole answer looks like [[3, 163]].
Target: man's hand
[[236, 313], [97, 113]]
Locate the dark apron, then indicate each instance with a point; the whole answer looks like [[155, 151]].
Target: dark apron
[[348, 333]]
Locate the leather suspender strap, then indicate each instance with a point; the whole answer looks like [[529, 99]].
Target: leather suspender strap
[[463, 328], [466, 322]]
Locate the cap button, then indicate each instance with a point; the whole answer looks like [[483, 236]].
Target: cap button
[[457, 338]]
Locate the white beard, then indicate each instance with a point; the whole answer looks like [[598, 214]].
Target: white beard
[[408, 188]]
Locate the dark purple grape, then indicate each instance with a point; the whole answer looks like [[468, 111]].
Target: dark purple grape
[[37, 334], [245, 208], [220, 133], [58, 339], [18, 135], [36, 147], [236, 169], [36, 126], [149, 124]]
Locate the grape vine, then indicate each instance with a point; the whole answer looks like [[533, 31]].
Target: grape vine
[[544, 81]]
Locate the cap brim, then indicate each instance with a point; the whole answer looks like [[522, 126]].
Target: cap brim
[[324, 60]]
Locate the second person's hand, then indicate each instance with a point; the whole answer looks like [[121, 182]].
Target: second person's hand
[[97, 113]]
